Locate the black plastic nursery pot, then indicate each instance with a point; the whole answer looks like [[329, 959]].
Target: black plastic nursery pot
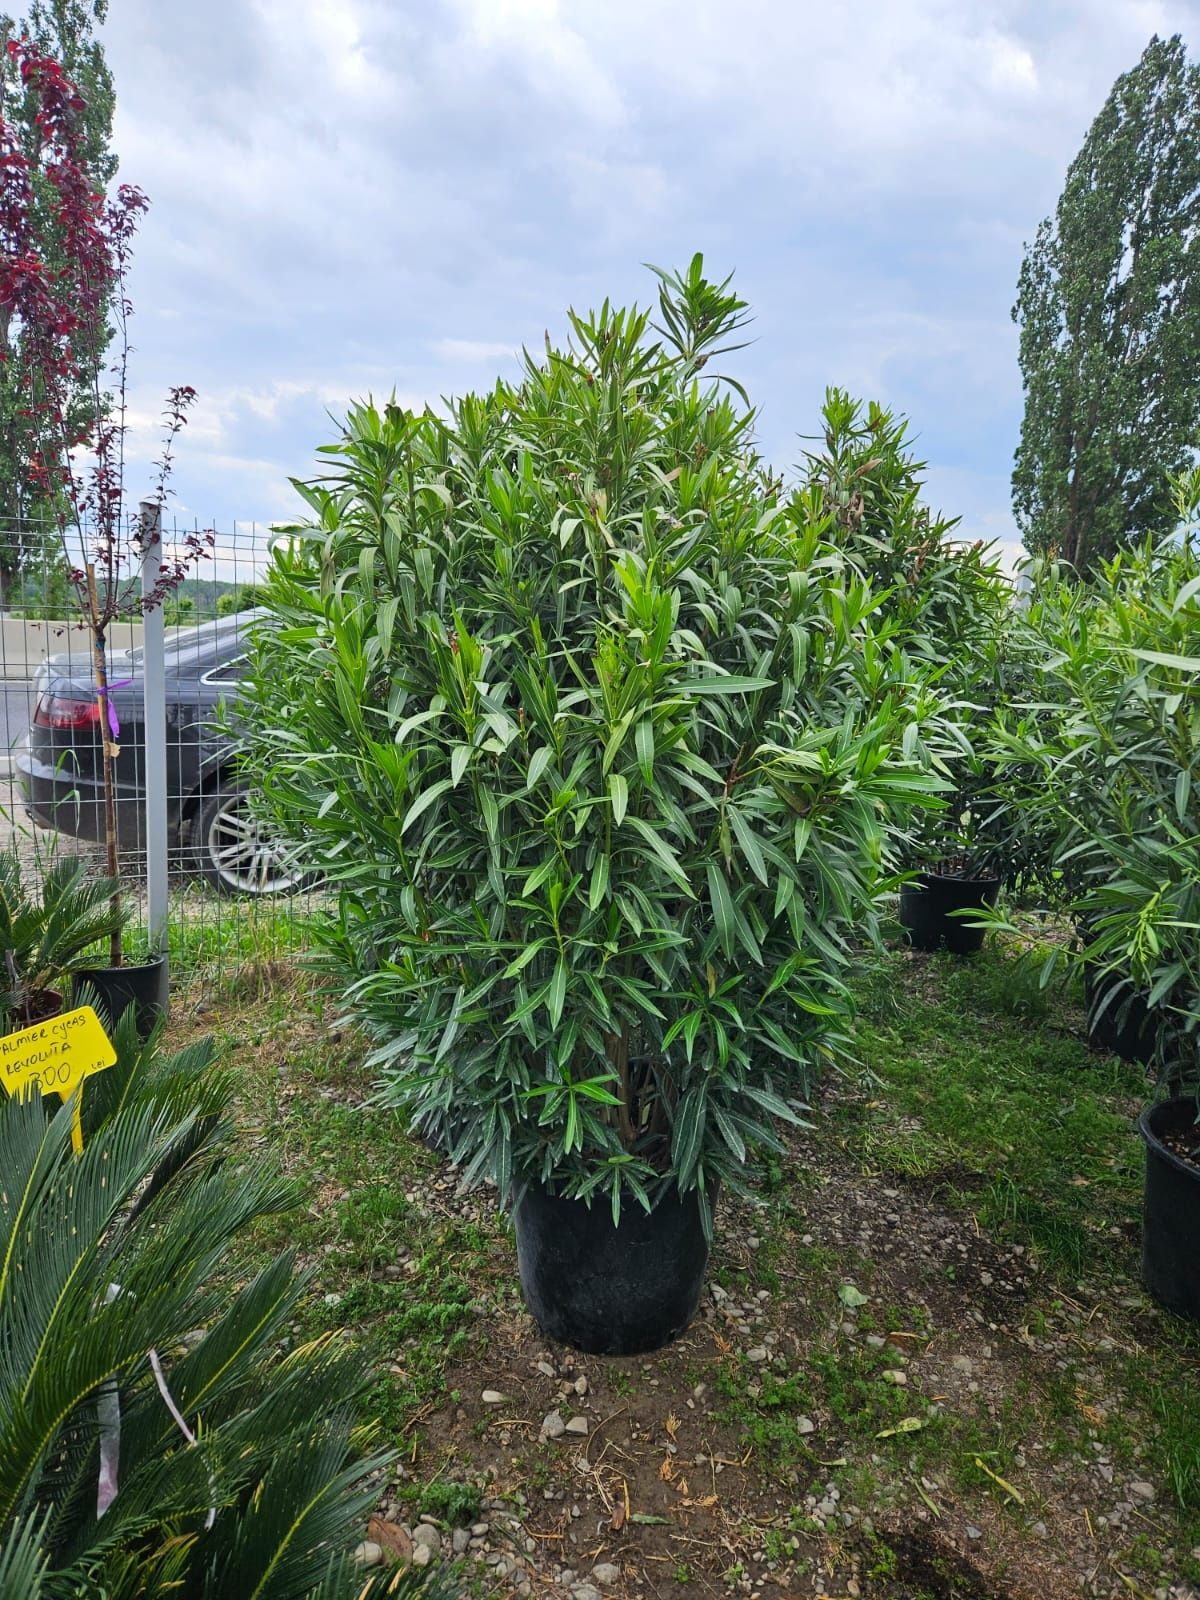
[[143, 985], [1171, 1216], [928, 904], [612, 1291], [1125, 1025]]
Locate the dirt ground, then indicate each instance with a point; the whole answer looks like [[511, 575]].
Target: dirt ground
[[671, 1487]]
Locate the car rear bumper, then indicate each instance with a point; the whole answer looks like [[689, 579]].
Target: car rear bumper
[[59, 799]]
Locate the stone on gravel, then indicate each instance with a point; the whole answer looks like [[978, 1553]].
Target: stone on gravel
[[428, 1536], [1140, 1490], [460, 1541], [553, 1426], [586, 1591], [805, 1425], [577, 1425], [422, 1555], [757, 1352], [894, 1375], [973, 1532], [492, 1397], [368, 1553], [606, 1573]]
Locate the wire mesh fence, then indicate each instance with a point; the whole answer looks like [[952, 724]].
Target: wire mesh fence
[[236, 898]]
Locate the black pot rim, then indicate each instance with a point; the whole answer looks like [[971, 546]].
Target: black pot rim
[[925, 878], [126, 966], [1150, 1133], [663, 1190]]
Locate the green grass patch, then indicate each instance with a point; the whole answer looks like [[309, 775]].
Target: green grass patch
[[1011, 1114], [982, 1088]]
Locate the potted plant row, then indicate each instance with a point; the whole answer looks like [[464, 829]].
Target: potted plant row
[[587, 722], [1115, 737]]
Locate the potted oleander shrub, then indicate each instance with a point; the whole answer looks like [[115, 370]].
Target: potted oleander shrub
[[943, 901], [581, 717], [946, 603], [1118, 760], [48, 934], [157, 1434], [1111, 737]]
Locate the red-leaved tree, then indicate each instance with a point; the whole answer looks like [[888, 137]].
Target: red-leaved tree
[[64, 257]]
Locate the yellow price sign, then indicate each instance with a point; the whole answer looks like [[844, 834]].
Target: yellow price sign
[[54, 1057]]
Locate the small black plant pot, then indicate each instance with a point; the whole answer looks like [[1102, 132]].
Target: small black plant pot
[[610, 1291], [143, 985], [1171, 1215], [928, 904], [1125, 1026]]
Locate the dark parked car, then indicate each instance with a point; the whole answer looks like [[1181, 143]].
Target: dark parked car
[[59, 764]]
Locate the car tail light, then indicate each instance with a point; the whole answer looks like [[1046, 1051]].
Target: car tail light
[[59, 711]]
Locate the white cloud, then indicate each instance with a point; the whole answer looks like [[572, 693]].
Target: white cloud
[[1011, 66], [554, 58], [356, 195]]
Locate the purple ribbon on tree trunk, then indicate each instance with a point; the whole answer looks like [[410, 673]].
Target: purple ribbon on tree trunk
[[114, 727]]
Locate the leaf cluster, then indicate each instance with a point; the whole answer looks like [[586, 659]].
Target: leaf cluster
[[951, 608], [606, 747], [1113, 734]]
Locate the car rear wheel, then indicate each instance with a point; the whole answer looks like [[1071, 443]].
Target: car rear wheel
[[232, 850]]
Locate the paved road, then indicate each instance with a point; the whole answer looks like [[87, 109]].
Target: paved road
[[16, 705]]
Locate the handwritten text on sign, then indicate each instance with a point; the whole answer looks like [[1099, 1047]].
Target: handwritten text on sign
[[54, 1057]]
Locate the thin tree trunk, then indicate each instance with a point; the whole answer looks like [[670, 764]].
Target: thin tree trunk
[[108, 753], [618, 1055]]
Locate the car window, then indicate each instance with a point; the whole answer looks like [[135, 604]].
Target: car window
[[227, 671]]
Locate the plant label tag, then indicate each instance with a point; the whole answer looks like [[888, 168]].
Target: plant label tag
[[54, 1057]]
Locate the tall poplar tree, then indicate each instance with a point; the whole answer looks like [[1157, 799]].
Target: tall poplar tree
[[63, 29], [1108, 306]]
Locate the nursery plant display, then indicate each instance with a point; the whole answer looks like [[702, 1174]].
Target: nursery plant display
[[604, 745], [46, 935], [154, 1440]]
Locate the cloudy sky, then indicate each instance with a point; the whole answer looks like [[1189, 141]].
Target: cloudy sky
[[360, 196]]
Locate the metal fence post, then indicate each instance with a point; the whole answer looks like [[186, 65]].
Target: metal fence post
[[155, 714]]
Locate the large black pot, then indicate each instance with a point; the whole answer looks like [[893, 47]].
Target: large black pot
[[143, 985], [1171, 1217], [928, 904], [1125, 1025], [612, 1291]]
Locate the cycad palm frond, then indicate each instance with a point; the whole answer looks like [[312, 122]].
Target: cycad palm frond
[[116, 1282], [22, 1560]]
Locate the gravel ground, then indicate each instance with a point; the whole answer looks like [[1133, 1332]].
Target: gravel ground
[[629, 1478]]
